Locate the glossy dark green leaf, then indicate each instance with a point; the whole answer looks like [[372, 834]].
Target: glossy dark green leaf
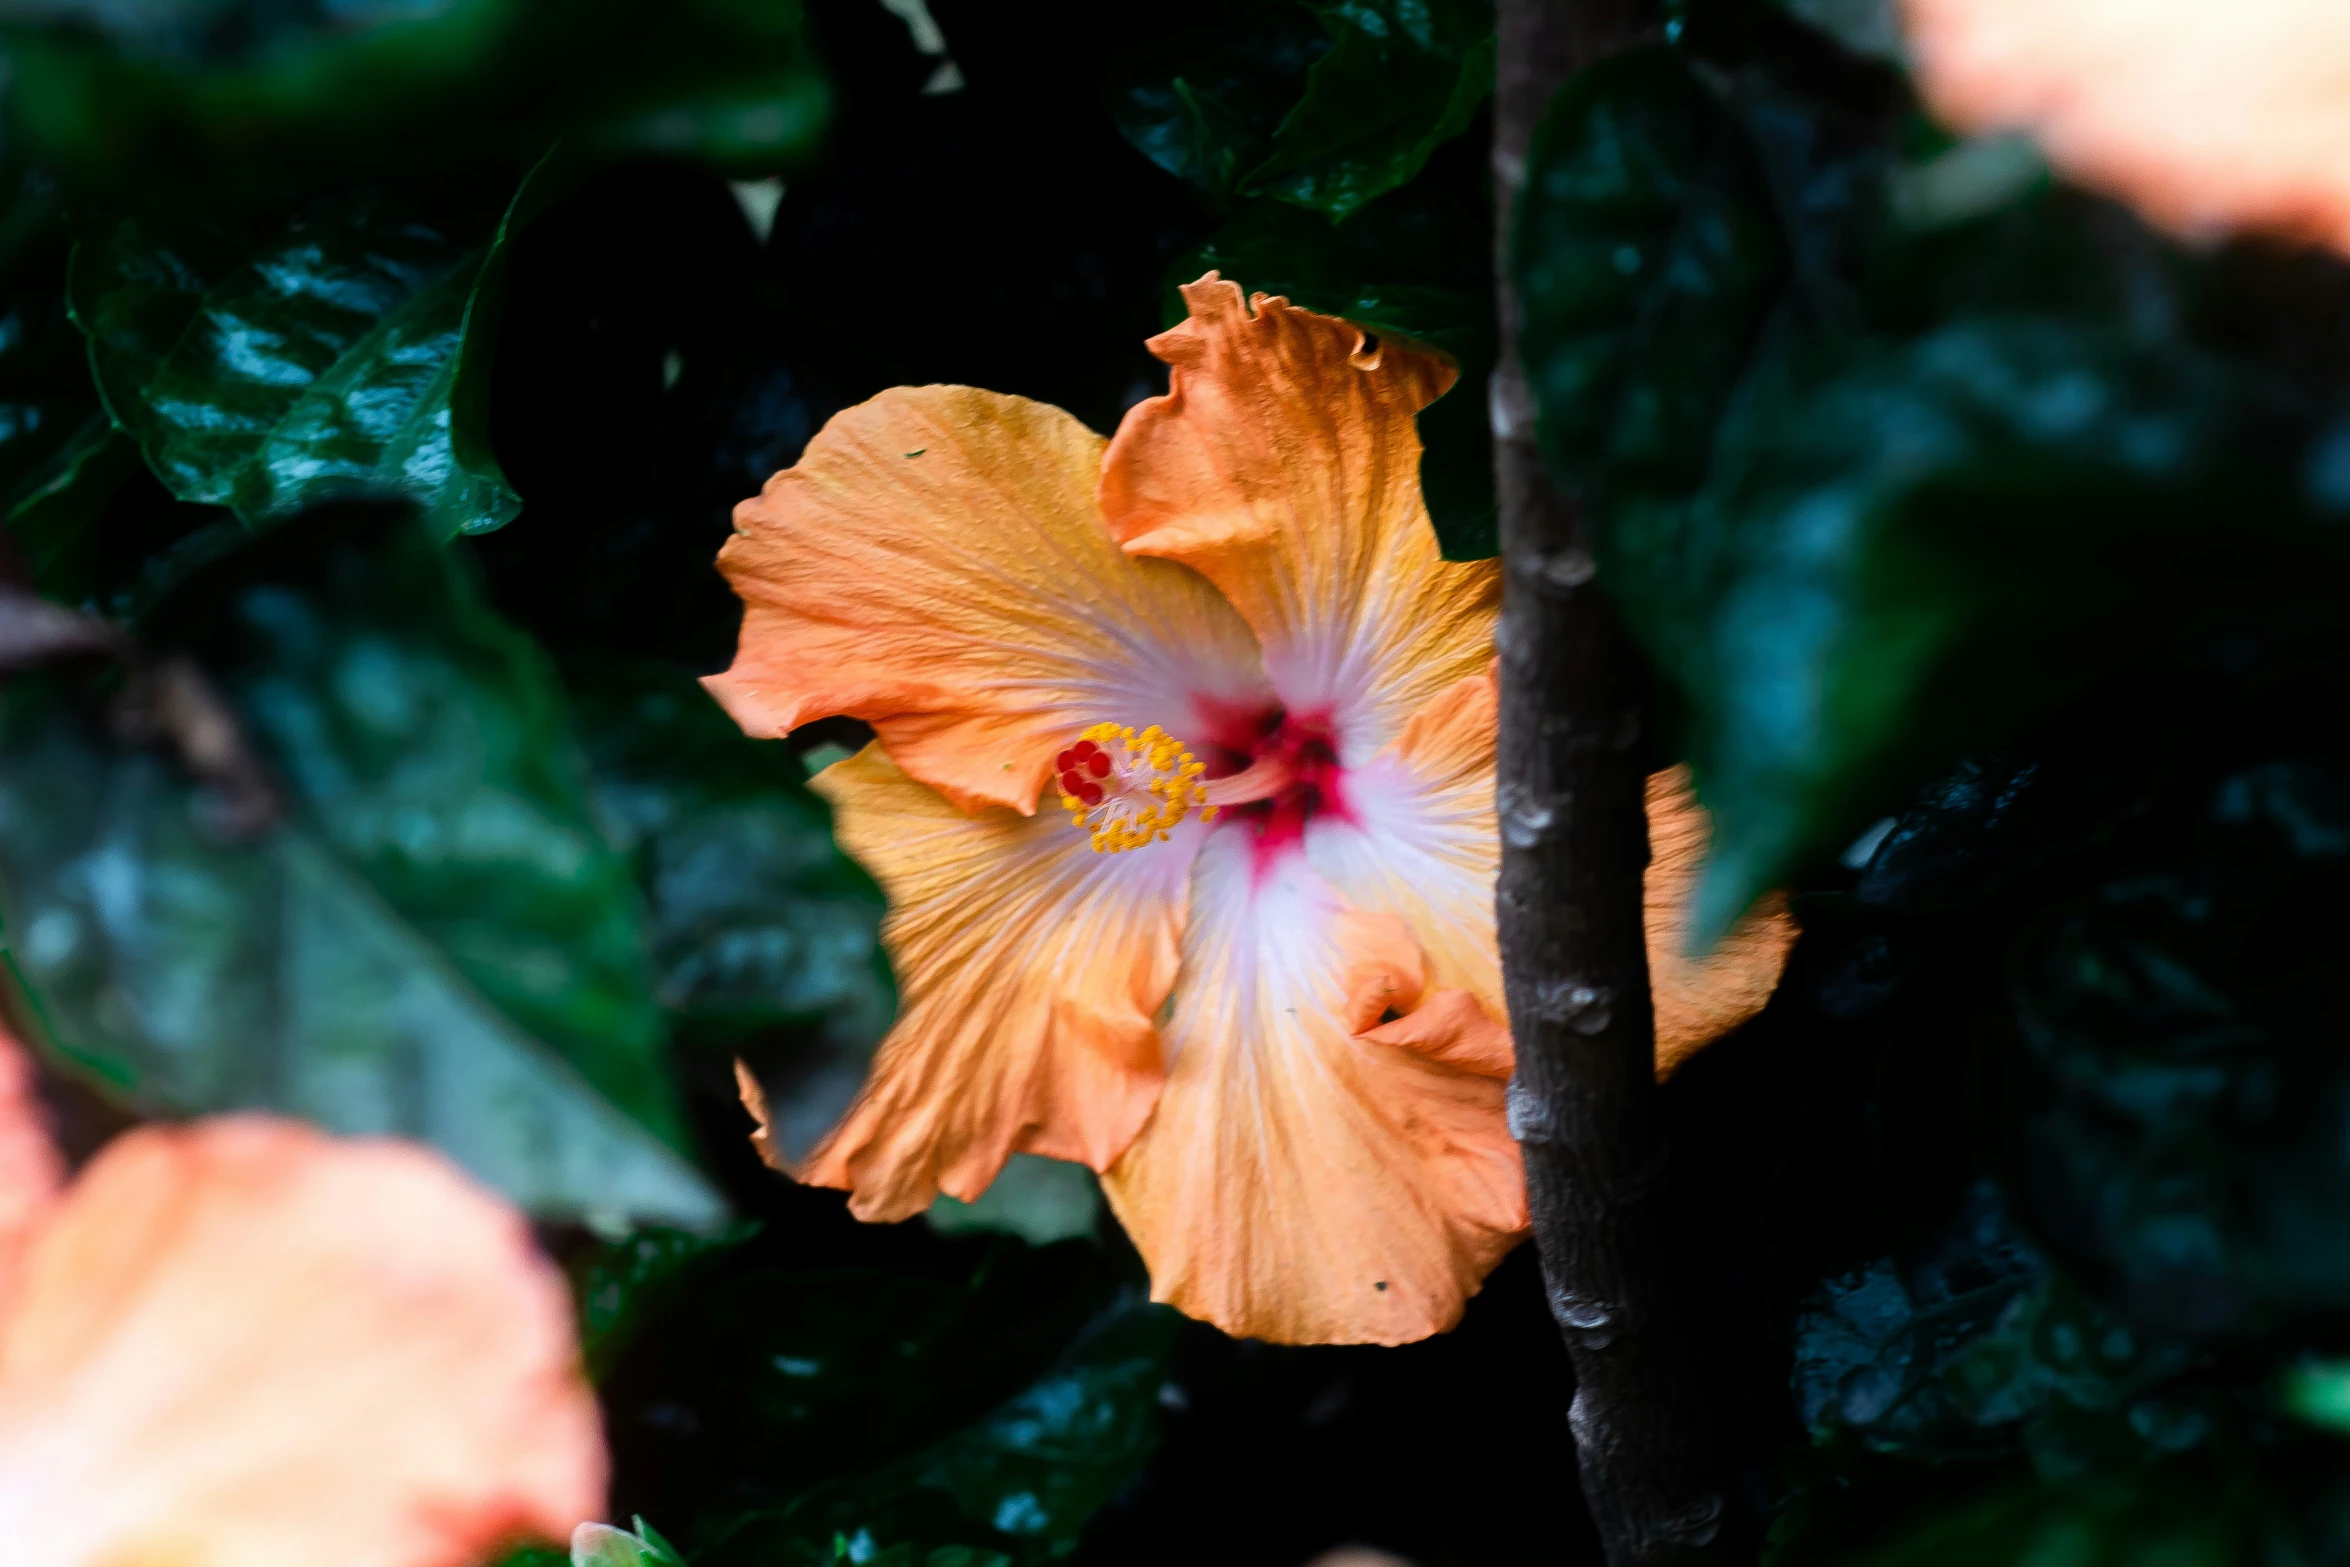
[[55, 518], [1649, 264], [622, 1284], [538, 1556], [851, 1553], [194, 972], [807, 1376], [877, 1409], [2318, 1391], [1038, 1466], [429, 743], [1203, 100], [1869, 28], [46, 399], [1666, 291], [1922, 546], [1975, 1348], [183, 103], [1021, 1480], [1397, 267], [555, 176], [606, 1546], [1401, 77], [1994, 819], [2185, 1100], [270, 370], [1872, 495], [755, 916], [2182, 1516], [1247, 101], [765, 937]]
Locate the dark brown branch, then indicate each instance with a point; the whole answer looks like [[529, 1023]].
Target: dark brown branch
[[1574, 960]]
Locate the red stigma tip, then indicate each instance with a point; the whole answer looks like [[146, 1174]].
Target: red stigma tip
[[1090, 793], [1098, 765], [1065, 761]]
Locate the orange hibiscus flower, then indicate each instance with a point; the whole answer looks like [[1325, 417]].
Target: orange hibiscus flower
[[2206, 116], [242, 1343], [1246, 968]]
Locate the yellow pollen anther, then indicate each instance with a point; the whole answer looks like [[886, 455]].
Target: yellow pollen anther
[[1147, 784]]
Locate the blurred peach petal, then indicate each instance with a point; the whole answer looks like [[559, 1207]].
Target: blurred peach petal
[[2204, 116], [243, 1343], [30, 1170]]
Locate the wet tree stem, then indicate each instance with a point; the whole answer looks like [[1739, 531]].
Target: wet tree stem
[[1574, 844]]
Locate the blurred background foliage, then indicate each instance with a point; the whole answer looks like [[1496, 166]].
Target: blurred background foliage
[[377, 378]]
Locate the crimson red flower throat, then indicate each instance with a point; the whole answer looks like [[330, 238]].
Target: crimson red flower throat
[[1273, 771]]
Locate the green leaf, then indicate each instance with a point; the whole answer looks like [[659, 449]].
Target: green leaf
[[624, 1283], [1204, 99], [1247, 102], [537, 1556], [555, 176], [1402, 76], [269, 369], [2181, 1087], [1021, 1480], [1873, 494], [601, 1545], [428, 742], [1993, 820], [196, 973], [755, 917], [55, 520], [765, 937], [2160, 1518], [2319, 1392], [1975, 1349], [861, 1410], [1399, 267], [187, 104], [1648, 262], [1396, 268], [1868, 28], [1917, 548], [46, 399], [1039, 1200], [858, 1550], [1045, 1460]]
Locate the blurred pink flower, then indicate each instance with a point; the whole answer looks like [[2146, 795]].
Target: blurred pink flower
[[243, 1343], [2205, 116]]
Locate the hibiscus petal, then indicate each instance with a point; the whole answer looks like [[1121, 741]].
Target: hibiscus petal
[[2203, 115], [1455, 1028], [1296, 1183], [1699, 999], [1423, 845], [1283, 464], [242, 1343], [31, 1171], [1030, 969], [936, 566]]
